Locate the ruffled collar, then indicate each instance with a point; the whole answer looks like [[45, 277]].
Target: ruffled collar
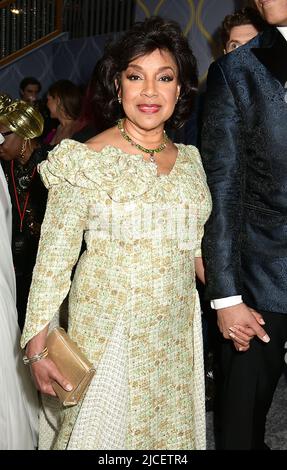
[[124, 177]]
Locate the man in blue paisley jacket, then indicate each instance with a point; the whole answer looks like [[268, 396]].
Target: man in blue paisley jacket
[[244, 150]]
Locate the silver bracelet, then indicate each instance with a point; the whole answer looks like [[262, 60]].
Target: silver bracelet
[[37, 357]]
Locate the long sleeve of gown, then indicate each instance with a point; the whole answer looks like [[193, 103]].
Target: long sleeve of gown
[[60, 244], [203, 202]]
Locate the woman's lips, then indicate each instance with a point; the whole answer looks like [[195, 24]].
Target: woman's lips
[[149, 108]]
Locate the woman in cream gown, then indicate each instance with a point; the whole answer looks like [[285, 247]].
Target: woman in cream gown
[[133, 305], [18, 399]]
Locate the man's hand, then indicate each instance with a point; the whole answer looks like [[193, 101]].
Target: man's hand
[[241, 324]]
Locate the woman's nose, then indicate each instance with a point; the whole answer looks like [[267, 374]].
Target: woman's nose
[[149, 88]]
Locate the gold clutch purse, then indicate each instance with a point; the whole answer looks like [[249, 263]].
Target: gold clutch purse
[[72, 363]]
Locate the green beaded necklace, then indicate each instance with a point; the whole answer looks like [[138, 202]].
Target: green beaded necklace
[[151, 152]]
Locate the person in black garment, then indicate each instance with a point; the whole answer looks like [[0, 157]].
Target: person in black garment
[[244, 146], [21, 125]]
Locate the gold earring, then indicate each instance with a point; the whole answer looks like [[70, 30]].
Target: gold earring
[[23, 149]]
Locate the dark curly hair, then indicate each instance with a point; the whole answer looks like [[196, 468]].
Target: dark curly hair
[[144, 38], [247, 15]]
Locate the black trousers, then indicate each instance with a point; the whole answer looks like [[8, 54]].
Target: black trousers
[[247, 386]]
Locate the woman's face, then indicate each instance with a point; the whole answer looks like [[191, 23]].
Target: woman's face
[[53, 105], [149, 89], [12, 145]]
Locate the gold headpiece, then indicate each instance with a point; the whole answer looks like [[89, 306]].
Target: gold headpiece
[[23, 119], [5, 100]]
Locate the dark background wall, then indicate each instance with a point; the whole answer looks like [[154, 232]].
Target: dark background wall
[[76, 59]]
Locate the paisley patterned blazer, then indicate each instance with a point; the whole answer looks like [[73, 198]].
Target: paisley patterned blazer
[[244, 151]]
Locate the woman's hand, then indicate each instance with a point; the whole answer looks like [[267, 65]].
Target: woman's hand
[[241, 337], [44, 373], [247, 319]]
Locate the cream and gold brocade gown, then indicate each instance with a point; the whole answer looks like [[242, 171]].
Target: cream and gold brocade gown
[[133, 304]]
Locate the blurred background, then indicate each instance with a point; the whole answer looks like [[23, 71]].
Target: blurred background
[[63, 39]]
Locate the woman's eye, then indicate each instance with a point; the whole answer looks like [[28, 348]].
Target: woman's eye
[[133, 77], [166, 78]]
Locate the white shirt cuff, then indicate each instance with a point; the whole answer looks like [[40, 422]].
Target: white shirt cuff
[[226, 302]]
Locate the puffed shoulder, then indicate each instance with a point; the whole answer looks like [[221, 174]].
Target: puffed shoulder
[[123, 177], [191, 162], [61, 163]]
